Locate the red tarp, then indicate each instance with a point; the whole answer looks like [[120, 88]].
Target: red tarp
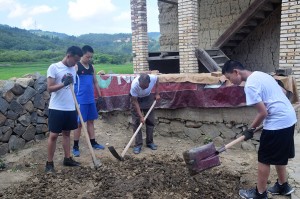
[[115, 92]]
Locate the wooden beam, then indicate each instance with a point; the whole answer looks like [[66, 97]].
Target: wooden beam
[[167, 1]]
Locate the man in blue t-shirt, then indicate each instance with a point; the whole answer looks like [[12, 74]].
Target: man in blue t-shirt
[[84, 90]]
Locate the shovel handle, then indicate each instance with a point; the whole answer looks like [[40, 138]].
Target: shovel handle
[[240, 139], [86, 135], [137, 130]]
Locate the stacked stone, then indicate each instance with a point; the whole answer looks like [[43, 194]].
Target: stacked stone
[[139, 35], [23, 112], [290, 37], [188, 35]]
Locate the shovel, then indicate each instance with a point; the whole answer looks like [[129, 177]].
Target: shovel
[[96, 162], [205, 157], [112, 149]]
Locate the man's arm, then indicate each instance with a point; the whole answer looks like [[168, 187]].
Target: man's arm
[[52, 87], [96, 85], [157, 96], [261, 114], [136, 106]]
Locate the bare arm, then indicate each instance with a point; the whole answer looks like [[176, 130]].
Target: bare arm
[[136, 106], [51, 86], [157, 96], [261, 114], [96, 85]]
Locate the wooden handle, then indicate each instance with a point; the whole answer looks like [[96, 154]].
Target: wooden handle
[[240, 139], [137, 130], [86, 135], [227, 146]]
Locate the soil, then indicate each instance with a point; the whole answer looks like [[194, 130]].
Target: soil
[[151, 174]]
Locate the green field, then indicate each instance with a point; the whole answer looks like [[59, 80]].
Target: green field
[[9, 70]]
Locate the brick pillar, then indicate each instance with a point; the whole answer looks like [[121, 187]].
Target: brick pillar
[[139, 35], [290, 37], [188, 35]]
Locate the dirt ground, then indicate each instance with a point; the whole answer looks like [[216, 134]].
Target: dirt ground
[[151, 174]]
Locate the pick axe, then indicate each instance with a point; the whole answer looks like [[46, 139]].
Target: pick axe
[[113, 150]]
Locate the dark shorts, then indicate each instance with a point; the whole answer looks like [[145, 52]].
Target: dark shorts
[[59, 121], [88, 112], [276, 146]]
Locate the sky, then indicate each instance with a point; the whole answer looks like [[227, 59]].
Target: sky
[[74, 17]]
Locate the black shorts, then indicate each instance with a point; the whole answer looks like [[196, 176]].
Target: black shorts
[[59, 121], [276, 146]]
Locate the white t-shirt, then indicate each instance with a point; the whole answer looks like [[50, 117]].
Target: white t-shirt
[[137, 91], [61, 99], [261, 87]]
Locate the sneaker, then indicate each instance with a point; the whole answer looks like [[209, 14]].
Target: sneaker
[[137, 149], [98, 146], [252, 194], [49, 167], [75, 151], [152, 146], [285, 189], [70, 162]]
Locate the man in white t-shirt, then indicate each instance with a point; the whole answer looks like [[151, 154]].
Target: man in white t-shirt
[[62, 113], [278, 116], [142, 99]]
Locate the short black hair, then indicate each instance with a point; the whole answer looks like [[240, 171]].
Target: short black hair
[[87, 48], [144, 78], [74, 50], [230, 65]]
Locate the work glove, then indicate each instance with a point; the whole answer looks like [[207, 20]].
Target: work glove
[[67, 79], [248, 133]]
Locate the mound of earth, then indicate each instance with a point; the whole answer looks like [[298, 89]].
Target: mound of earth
[[151, 177]]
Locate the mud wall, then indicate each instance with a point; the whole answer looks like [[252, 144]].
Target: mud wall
[[260, 50], [168, 22], [23, 112], [216, 16]]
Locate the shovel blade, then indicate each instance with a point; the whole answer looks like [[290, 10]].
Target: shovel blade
[[201, 158], [115, 153]]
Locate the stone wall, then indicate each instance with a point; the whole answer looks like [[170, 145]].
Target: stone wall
[[260, 50], [200, 125], [23, 112]]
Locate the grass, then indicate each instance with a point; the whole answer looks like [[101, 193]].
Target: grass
[[9, 70]]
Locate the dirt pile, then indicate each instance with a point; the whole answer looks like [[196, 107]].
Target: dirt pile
[[148, 177]]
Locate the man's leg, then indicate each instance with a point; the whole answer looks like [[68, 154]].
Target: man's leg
[[51, 145], [149, 127], [66, 143], [91, 132], [263, 175], [135, 124], [68, 161], [91, 129], [281, 172], [77, 134]]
